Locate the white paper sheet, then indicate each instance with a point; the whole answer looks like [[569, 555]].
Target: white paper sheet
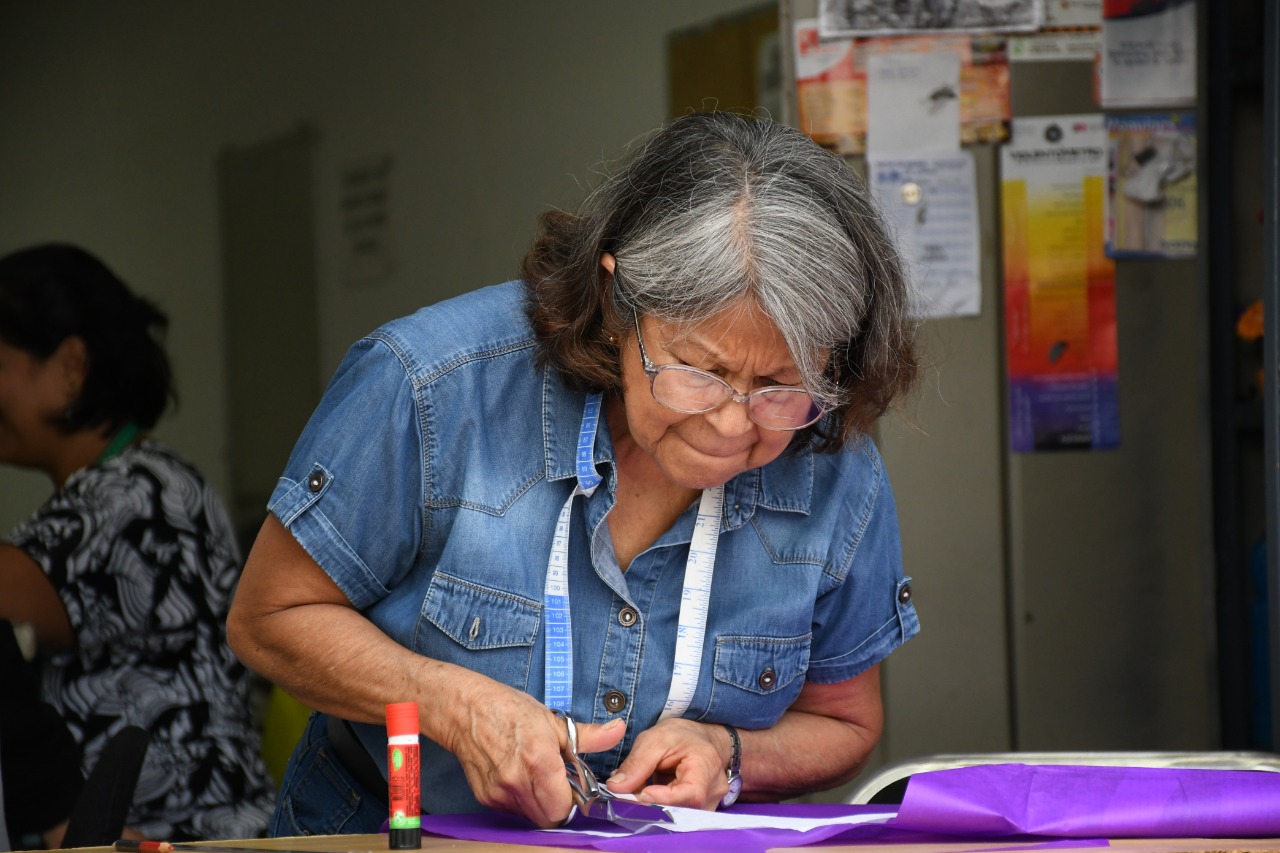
[[697, 820], [931, 203], [913, 102], [1149, 59]]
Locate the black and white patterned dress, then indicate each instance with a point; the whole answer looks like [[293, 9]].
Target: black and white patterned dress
[[142, 554]]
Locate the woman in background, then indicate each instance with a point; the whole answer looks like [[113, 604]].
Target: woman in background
[[126, 571]]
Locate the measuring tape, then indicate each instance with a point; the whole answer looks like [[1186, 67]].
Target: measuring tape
[[694, 598]]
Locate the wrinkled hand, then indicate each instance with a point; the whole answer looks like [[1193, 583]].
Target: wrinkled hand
[[511, 749], [676, 763]]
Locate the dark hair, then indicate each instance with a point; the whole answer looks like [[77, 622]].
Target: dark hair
[[51, 292], [714, 209]]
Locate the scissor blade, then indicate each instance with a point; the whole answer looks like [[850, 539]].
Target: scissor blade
[[629, 813]]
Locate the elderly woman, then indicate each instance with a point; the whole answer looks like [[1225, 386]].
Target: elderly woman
[[634, 487], [126, 571]]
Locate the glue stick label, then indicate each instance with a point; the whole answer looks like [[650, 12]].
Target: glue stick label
[[403, 784]]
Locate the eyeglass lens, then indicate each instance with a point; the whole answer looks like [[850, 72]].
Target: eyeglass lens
[[690, 390]]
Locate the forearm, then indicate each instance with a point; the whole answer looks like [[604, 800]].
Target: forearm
[[290, 623], [821, 741], [356, 671], [802, 753]]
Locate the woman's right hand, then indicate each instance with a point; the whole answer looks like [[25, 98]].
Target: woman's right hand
[[512, 749], [509, 745]]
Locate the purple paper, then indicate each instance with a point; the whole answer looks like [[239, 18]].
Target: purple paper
[[514, 830], [1008, 801], [1077, 801]]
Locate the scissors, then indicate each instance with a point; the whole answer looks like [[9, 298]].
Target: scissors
[[595, 800]]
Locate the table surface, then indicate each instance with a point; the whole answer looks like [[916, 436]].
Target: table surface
[[378, 843]]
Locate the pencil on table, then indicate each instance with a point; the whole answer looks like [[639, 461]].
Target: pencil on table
[[132, 846]]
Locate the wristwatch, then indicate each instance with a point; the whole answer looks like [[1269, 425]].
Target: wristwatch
[[734, 772]]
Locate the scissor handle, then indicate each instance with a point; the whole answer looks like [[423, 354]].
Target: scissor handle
[[583, 782]]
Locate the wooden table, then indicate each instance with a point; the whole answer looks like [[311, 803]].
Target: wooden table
[[378, 844]]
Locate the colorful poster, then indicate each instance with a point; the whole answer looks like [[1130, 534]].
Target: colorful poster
[[1148, 53], [1060, 316], [831, 84], [866, 17], [1151, 186], [931, 200], [831, 91]]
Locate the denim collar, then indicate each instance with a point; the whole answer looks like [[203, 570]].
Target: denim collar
[[784, 485]]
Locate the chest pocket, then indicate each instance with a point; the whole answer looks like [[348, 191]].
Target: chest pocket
[[757, 678], [483, 629]]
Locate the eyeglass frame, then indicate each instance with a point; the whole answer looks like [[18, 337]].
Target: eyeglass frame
[[652, 370]]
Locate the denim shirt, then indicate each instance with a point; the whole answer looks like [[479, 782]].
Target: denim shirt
[[427, 485]]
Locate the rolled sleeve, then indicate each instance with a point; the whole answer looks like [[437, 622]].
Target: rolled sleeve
[[352, 491], [861, 620]]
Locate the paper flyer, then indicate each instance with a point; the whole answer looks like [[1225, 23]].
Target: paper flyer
[[1148, 53], [831, 83], [867, 17], [931, 202], [831, 90], [1070, 46], [1060, 316], [1151, 186], [1072, 13], [913, 102]]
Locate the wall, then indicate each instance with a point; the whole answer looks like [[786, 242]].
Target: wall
[[115, 114]]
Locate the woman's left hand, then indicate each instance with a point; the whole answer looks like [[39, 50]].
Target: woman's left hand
[[677, 763]]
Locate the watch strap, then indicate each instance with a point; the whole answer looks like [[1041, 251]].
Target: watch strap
[[733, 775], [735, 760]]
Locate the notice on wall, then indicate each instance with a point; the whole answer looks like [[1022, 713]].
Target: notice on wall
[[1066, 46], [1072, 13], [913, 102], [1151, 191], [931, 202], [1060, 316], [831, 90], [1148, 53], [831, 83], [867, 17], [365, 202]]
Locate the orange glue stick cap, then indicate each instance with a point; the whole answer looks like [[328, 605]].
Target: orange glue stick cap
[[402, 719]]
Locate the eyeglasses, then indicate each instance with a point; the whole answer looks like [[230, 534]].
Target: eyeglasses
[[693, 391]]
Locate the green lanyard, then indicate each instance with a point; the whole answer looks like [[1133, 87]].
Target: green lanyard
[[122, 439]]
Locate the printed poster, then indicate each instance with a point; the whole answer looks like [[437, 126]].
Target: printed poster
[[931, 201], [866, 17], [1148, 53], [831, 83], [1151, 187], [1067, 14], [913, 102], [1060, 313], [831, 90]]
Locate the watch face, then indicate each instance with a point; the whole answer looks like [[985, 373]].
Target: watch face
[[735, 788]]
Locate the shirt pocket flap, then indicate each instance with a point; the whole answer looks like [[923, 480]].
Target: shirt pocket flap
[[480, 617], [762, 665]]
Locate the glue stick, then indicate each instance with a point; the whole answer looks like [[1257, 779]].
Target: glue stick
[[403, 779]]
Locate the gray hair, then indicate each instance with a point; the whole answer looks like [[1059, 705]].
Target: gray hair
[[716, 212], [752, 213]]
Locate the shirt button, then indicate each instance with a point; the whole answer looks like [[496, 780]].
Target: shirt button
[[627, 617], [614, 701], [767, 679], [904, 596], [315, 482]]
